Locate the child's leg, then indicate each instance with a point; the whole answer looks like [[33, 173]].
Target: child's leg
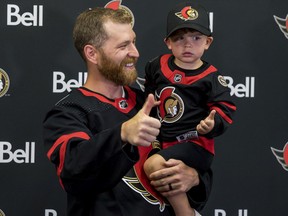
[[179, 202]]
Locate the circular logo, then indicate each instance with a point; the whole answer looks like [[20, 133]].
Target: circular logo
[[171, 108], [192, 13], [123, 104], [1, 213], [129, 12], [222, 81], [4, 83], [178, 78], [115, 5]]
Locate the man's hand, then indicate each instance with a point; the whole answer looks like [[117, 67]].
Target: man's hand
[[206, 125], [142, 129], [180, 177]]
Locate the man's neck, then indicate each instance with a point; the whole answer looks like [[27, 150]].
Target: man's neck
[[108, 89]]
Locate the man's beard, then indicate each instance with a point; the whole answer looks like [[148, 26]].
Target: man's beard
[[117, 73]]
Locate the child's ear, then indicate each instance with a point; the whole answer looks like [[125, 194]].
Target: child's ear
[[209, 41], [167, 41]]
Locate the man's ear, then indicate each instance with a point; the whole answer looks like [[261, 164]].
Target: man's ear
[[90, 53]]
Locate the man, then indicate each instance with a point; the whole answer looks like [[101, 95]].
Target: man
[[96, 134]]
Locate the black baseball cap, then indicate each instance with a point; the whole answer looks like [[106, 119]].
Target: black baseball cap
[[188, 15]]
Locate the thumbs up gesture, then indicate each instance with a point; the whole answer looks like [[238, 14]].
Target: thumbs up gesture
[[206, 125], [142, 129]]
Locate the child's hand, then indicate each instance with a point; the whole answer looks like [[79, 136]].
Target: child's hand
[[206, 125]]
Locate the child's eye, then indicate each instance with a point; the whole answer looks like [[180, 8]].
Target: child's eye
[[178, 38], [195, 38]]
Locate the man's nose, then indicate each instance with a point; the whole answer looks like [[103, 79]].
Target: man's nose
[[133, 52]]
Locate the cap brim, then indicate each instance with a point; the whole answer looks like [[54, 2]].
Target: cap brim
[[196, 27]]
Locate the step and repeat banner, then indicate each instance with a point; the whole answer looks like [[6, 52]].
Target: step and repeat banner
[[39, 65]]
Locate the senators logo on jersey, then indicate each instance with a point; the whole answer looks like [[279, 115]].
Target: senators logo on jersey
[[137, 180], [172, 107]]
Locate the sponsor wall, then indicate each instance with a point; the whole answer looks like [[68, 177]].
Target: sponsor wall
[[39, 65]]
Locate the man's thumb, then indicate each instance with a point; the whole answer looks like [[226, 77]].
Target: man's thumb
[[149, 104]]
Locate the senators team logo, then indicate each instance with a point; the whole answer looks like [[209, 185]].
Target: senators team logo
[[115, 5], [283, 24], [1, 213], [171, 108], [4, 82], [137, 180], [187, 13], [281, 156]]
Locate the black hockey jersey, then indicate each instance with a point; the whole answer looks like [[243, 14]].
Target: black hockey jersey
[[187, 97], [82, 138]]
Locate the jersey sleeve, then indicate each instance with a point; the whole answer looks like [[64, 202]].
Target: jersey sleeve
[[86, 161], [221, 101]]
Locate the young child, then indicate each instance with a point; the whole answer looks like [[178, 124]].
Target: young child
[[195, 104]]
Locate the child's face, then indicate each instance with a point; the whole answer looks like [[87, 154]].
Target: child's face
[[188, 46]]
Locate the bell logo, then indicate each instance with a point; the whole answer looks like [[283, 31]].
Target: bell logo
[[221, 212], [60, 85], [19, 155], [242, 90], [27, 19], [49, 212]]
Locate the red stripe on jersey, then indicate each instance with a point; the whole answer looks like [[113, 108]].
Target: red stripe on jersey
[[230, 106], [63, 141], [206, 143], [186, 80], [222, 114], [130, 101], [143, 179]]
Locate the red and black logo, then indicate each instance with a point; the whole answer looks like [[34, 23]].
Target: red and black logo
[[281, 156], [116, 4], [283, 24]]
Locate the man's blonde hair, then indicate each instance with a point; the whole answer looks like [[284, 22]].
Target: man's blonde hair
[[89, 26]]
